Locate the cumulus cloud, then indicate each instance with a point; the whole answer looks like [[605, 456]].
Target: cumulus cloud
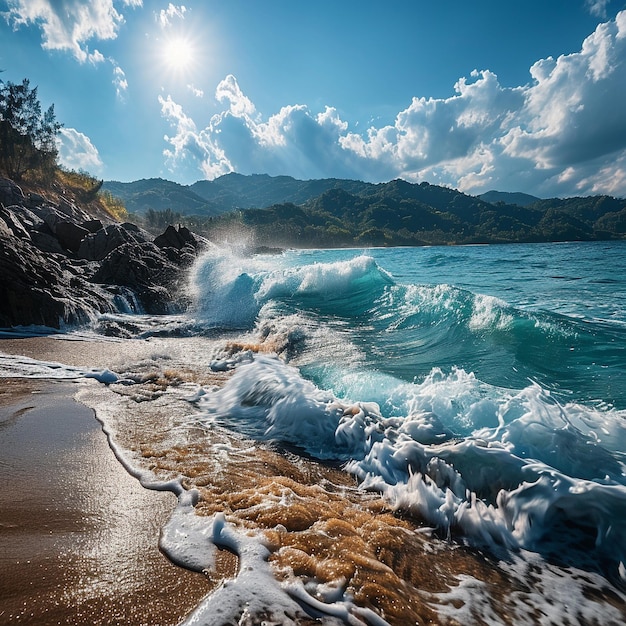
[[239, 105], [76, 152], [189, 147], [70, 24], [238, 139], [197, 92], [563, 133]]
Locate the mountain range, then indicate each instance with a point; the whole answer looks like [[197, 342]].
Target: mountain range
[[226, 193], [285, 211]]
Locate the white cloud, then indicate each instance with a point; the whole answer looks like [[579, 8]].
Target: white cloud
[[237, 139], [165, 16], [597, 7], [119, 80], [76, 152], [330, 118], [190, 148], [563, 133], [198, 93], [70, 24], [229, 91]]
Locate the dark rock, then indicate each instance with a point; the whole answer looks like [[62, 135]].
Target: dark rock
[[115, 328], [93, 226], [96, 246], [5, 231], [70, 235], [173, 238], [46, 242], [146, 270], [13, 223], [35, 200], [158, 300], [141, 235], [38, 291], [173, 254], [186, 259], [169, 239], [42, 282], [29, 220], [71, 210], [10, 193]]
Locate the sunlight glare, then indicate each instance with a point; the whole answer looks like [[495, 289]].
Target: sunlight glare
[[178, 53]]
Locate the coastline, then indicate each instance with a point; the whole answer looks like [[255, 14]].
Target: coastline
[[78, 534], [105, 567]]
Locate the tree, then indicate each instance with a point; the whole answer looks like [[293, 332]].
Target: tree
[[27, 136]]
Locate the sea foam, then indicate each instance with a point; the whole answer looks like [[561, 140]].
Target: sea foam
[[501, 467]]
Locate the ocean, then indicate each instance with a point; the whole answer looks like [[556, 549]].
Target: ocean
[[384, 436]]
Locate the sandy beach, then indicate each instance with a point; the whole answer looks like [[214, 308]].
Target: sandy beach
[[72, 549], [79, 535]]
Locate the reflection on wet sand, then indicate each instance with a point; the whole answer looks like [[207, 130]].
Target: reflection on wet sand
[[78, 535]]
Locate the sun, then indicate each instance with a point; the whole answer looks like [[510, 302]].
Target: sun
[[178, 54]]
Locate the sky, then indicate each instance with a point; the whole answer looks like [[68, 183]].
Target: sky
[[515, 96]]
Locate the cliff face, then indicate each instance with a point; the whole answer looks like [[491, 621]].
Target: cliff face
[[60, 265]]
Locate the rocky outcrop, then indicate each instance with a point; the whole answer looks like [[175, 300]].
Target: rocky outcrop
[[149, 274], [60, 266], [95, 246]]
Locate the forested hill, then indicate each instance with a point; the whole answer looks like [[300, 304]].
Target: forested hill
[[228, 192], [522, 199], [157, 194], [283, 211], [234, 191]]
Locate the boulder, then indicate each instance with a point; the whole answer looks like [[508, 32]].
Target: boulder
[[10, 193], [70, 234], [13, 223], [147, 271], [28, 219], [37, 290], [46, 242], [59, 266], [173, 238], [71, 211], [93, 226], [96, 246], [169, 239]]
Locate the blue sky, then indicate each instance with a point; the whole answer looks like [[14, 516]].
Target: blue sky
[[517, 96]]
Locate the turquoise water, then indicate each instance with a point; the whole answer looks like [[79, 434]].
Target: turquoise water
[[481, 388], [550, 313]]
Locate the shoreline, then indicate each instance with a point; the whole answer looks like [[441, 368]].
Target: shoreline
[[314, 522], [78, 534]]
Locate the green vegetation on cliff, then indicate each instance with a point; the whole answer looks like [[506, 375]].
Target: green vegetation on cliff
[[28, 154]]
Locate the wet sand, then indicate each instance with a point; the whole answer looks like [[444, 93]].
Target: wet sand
[[78, 534]]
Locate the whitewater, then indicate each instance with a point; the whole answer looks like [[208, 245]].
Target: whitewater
[[383, 436]]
